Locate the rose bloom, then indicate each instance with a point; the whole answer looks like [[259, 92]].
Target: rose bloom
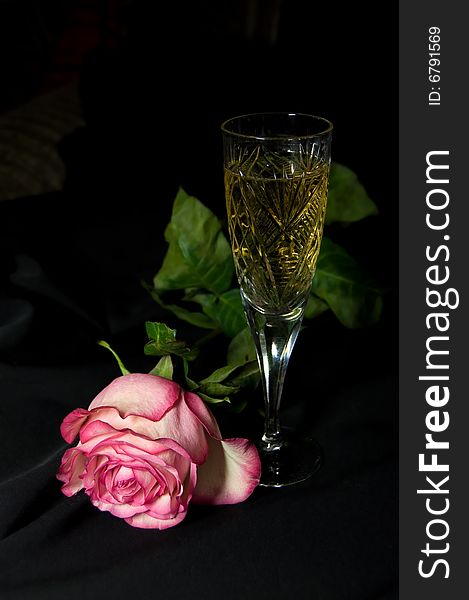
[[147, 448]]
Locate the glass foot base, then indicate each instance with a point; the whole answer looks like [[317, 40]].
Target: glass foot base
[[293, 460]]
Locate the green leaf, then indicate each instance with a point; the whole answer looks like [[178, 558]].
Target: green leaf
[[226, 309], [160, 332], [199, 254], [194, 318], [217, 389], [248, 375], [104, 344], [352, 295], [190, 383], [314, 307], [211, 400], [164, 368], [348, 200], [220, 374], [234, 377], [163, 341], [241, 349]]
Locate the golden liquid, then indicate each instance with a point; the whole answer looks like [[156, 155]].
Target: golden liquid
[[275, 227]]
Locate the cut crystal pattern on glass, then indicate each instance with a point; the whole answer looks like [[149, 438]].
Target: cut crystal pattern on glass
[[276, 207]]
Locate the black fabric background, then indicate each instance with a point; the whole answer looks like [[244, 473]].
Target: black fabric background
[[77, 258]]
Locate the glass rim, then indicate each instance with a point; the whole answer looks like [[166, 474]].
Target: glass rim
[[328, 126]]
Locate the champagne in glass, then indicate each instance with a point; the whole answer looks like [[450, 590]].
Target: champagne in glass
[[276, 181]]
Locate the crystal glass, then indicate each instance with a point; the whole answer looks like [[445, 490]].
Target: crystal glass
[[276, 180]]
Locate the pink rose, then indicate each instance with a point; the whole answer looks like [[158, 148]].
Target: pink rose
[[147, 448]]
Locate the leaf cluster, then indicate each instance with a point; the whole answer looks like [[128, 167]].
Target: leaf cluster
[[196, 284]]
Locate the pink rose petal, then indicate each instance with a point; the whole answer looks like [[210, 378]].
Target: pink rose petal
[[146, 521], [72, 423], [123, 511], [139, 394], [179, 424], [96, 434], [230, 474], [71, 471], [203, 414]]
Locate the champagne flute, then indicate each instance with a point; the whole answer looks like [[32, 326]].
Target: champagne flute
[[276, 181]]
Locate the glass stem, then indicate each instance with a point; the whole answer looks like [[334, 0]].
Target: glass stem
[[274, 337]]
